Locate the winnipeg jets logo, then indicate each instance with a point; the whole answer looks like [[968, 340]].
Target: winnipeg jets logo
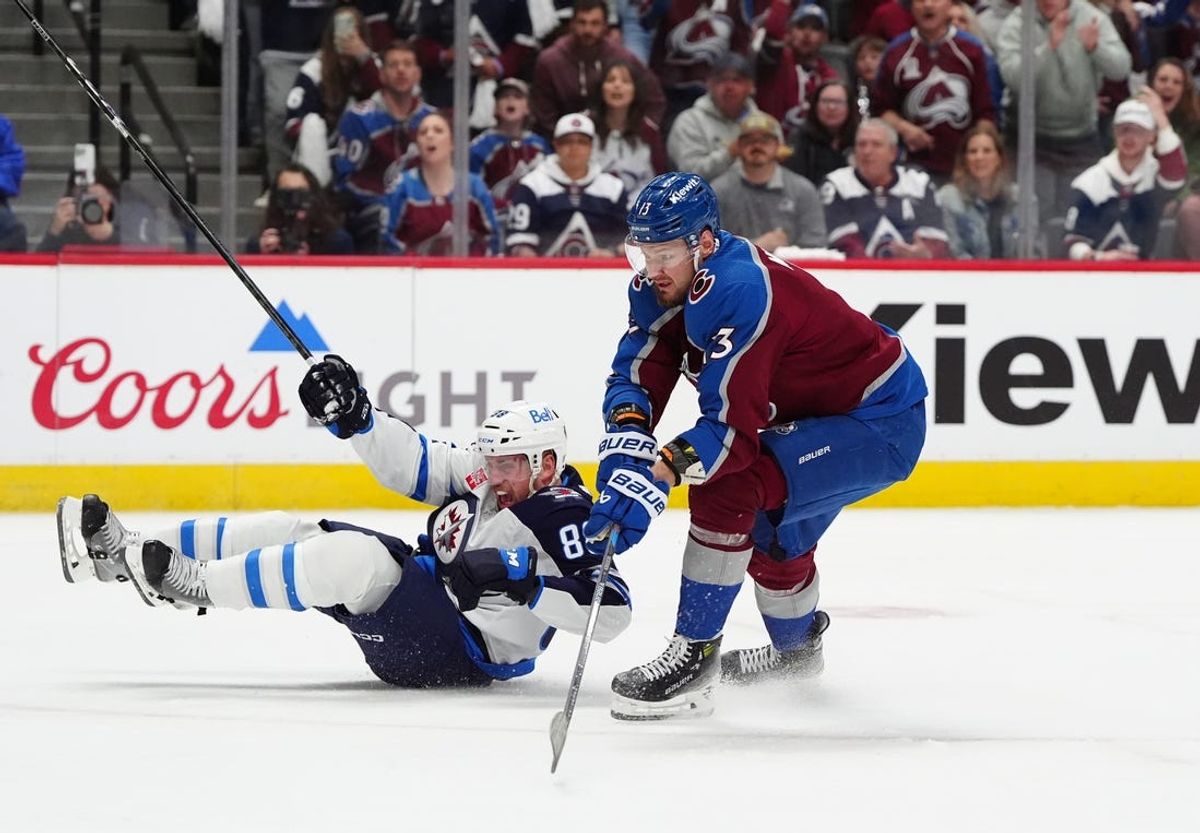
[[703, 282], [940, 98], [446, 533]]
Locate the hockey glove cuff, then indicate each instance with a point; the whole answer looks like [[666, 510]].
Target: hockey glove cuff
[[626, 447], [631, 500], [512, 572]]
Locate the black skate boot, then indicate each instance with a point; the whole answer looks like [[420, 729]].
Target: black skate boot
[[753, 665], [91, 540], [173, 576], [678, 683]]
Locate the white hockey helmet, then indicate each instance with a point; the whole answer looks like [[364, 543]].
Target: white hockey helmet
[[523, 427]]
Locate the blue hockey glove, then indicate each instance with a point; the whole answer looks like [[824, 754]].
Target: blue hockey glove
[[332, 396], [512, 572], [631, 500]]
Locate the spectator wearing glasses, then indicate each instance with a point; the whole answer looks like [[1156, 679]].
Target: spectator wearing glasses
[[826, 139], [790, 66]]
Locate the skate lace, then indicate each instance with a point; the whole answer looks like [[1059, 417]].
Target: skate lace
[[186, 577], [111, 538], [757, 660], [672, 659]]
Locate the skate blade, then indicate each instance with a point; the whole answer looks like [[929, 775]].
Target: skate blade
[[77, 565], [691, 705]]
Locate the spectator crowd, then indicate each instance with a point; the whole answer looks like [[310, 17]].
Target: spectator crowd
[[889, 134]]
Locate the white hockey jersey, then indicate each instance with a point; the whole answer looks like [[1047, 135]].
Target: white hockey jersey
[[507, 634]]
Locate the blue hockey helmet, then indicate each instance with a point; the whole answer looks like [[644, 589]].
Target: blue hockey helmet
[[673, 206]]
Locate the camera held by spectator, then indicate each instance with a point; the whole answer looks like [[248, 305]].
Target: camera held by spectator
[[299, 218], [86, 213]]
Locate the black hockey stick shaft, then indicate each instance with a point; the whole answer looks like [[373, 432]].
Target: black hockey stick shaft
[[561, 721], [187, 207]]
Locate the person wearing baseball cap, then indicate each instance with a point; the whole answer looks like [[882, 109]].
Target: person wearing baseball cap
[[761, 200], [505, 153], [790, 66], [567, 206], [1117, 203]]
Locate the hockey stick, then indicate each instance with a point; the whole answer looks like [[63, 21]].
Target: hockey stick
[[191, 213], [562, 720]]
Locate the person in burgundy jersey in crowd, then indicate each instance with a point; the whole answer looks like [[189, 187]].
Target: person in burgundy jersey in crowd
[[692, 37], [933, 87], [505, 153], [420, 208], [806, 406], [374, 144], [790, 66]]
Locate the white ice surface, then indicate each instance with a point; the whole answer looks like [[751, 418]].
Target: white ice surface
[[986, 671]]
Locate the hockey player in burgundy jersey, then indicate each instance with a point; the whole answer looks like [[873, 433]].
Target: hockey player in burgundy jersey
[[806, 406], [501, 567]]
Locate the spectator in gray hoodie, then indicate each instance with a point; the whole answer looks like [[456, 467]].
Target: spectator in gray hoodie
[[703, 139], [1076, 47]]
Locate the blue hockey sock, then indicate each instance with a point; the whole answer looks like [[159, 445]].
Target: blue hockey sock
[[713, 567], [788, 614]]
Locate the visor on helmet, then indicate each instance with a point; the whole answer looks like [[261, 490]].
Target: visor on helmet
[[649, 259]]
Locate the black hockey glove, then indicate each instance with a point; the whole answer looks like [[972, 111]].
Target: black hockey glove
[[332, 396], [475, 572]]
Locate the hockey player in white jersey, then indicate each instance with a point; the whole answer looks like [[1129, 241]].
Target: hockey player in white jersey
[[501, 567]]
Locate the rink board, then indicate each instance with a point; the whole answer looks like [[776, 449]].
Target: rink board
[[158, 380]]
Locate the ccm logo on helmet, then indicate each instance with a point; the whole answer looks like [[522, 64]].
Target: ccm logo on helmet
[[704, 281]]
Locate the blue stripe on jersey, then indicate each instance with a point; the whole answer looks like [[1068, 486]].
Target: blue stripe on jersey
[[187, 538], [220, 535], [254, 579], [422, 471], [289, 576]]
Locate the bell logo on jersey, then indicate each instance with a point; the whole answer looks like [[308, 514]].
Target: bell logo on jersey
[[703, 282]]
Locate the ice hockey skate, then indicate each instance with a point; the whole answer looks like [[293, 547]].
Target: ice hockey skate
[[172, 576], [754, 665], [91, 540], [679, 683]]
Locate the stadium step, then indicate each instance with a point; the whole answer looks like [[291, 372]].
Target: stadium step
[[112, 40], [25, 69], [20, 98], [114, 14]]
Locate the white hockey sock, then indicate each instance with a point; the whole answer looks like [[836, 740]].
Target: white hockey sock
[[346, 568], [206, 539]]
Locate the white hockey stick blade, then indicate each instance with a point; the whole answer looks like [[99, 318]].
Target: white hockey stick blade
[[561, 722], [558, 737]]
